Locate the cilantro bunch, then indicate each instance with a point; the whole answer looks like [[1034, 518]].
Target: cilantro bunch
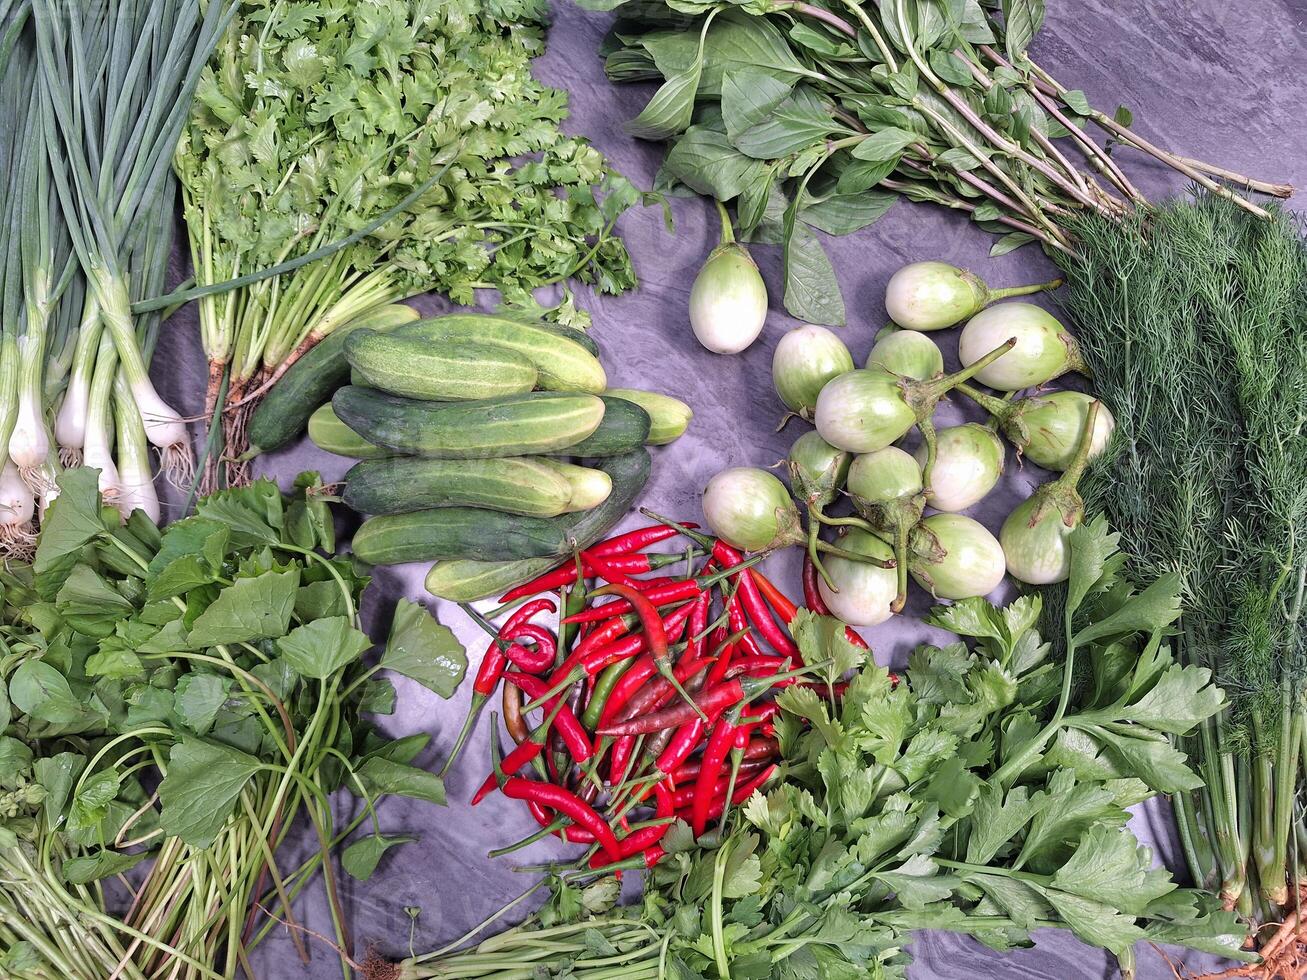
[[181, 700], [985, 793], [411, 131]]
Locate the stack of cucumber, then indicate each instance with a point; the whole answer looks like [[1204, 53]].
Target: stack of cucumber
[[489, 445]]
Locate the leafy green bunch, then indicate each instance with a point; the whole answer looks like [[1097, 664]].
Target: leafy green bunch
[[816, 116], [1191, 318], [411, 130], [184, 698], [984, 793]]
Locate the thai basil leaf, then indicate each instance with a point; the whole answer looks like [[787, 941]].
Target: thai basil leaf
[[812, 292], [887, 144], [844, 214], [704, 160], [748, 98], [1021, 22]]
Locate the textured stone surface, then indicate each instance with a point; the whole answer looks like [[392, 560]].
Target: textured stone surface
[[1219, 81]]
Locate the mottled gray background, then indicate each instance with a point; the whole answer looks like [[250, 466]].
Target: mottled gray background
[[1221, 81]]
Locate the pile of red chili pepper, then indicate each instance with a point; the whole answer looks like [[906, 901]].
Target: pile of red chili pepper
[[651, 690]]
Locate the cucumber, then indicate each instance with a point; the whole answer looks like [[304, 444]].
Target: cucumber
[[416, 368], [669, 417], [523, 486], [563, 363], [332, 435], [465, 580], [587, 486], [518, 425], [284, 411], [455, 532], [625, 427]]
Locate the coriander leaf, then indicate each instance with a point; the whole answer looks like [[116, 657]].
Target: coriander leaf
[[381, 777], [953, 787], [248, 609], [422, 649], [1072, 808], [1110, 866], [361, 858], [200, 790], [1094, 922], [996, 820], [322, 647]]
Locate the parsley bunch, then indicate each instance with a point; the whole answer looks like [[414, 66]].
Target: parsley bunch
[[410, 131], [985, 793], [181, 700]]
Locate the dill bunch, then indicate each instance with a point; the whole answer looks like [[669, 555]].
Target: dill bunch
[[1191, 315]]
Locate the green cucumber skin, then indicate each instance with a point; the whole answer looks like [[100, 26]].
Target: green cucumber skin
[[283, 414], [468, 580], [562, 363], [518, 425], [331, 435], [669, 417], [403, 484], [454, 532], [412, 368], [624, 428]]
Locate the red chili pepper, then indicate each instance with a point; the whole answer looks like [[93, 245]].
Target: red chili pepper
[[619, 763], [488, 674], [523, 754], [711, 702], [760, 616], [569, 805], [645, 860], [698, 622], [785, 609], [685, 741], [763, 666], [636, 540], [565, 720], [714, 757], [653, 696], [660, 595], [742, 793], [671, 629], [604, 570], [759, 752], [566, 574], [534, 661], [571, 833]]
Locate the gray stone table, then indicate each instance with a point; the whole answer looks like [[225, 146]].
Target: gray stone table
[[1221, 81]]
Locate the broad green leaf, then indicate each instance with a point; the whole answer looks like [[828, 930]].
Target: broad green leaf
[[90, 604], [861, 175], [1092, 544], [749, 96], [422, 649], [1010, 242], [884, 145], [1021, 22], [812, 291], [843, 214], [361, 858], [380, 777], [1025, 905], [39, 690], [321, 648], [248, 609], [672, 107], [15, 758], [72, 521], [1076, 101], [253, 515], [56, 775], [742, 41], [198, 698], [1156, 608], [200, 790], [951, 68], [1182, 697], [102, 864], [793, 125], [1072, 808], [953, 787], [918, 883], [704, 160], [190, 554]]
